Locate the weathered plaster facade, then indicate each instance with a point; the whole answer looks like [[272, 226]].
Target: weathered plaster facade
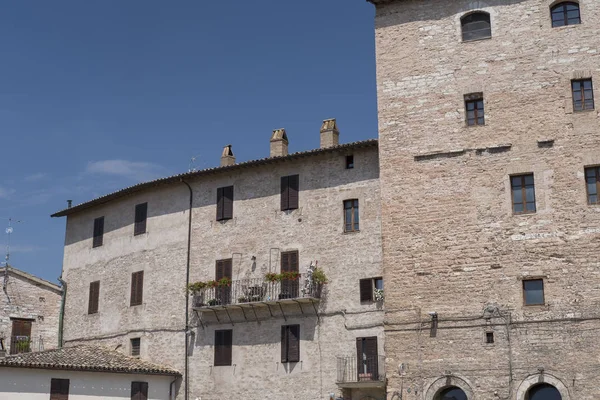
[[258, 229], [451, 243], [29, 298]]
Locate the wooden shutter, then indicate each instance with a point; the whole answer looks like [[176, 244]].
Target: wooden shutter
[[137, 288], [289, 261], [294, 181], [139, 390], [228, 202], [223, 347], [284, 342], [224, 269], [293, 338], [98, 232], [220, 200], [366, 357], [366, 290], [59, 389], [94, 297], [141, 215], [285, 193], [21, 327]]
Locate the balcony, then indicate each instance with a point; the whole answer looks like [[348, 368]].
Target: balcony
[[23, 344], [256, 292], [368, 372]]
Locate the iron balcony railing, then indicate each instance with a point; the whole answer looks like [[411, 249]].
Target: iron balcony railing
[[256, 291], [25, 344], [367, 369]]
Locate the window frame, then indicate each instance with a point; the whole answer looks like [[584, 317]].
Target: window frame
[[596, 169], [59, 393], [563, 5], [463, 23], [475, 99], [225, 198], [94, 298], [350, 161], [223, 359], [354, 215], [286, 331], [533, 279], [523, 188], [582, 92], [98, 234], [142, 390], [137, 289], [135, 347], [290, 192], [371, 291], [140, 219]]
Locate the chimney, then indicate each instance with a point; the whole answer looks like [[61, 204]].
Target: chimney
[[330, 136], [227, 158], [279, 143], [69, 203]]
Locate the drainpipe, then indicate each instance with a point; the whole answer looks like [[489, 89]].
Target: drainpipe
[[62, 311], [187, 297]]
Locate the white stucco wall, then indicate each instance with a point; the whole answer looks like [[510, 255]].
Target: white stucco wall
[[34, 384]]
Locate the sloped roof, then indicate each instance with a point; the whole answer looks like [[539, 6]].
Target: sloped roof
[[33, 278], [86, 358], [176, 178]]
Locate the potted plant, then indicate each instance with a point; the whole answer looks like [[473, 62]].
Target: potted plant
[[378, 294], [196, 287], [224, 282], [290, 276], [319, 277], [213, 302], [243, 299], [271, 277]]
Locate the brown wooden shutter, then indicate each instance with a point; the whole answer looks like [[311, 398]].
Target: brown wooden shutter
[[366, 290], [137, 288], [289, 261], [98, 232], [220, 200], [224, 269], [21, 327], [284, 342], [371, 351], [223, 347], [141, 215], [59, 389], [285, 193], [228, 202], [294, 181], [139, 390], [293, 338], [94, 297]]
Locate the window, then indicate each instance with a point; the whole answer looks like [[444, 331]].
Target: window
[[98, 232], [350, 161], [94, 296], [289, 192], [367, 288], [476, 26], [583, 95], [489, 337], [367, 362], [223, 343], [223, 269], [224, 203], [543, 391], [533, 292], [59, 389], [566, 13], [141, 214], [135, 346], [139, 390], [592, 180], [290, 289], [523, 194], [20, 337], [474, 107], [451, 393], [351, 217], [290, 343], [137, 288]]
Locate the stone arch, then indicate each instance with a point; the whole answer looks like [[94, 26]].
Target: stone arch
[[447, 381], [544, 377]]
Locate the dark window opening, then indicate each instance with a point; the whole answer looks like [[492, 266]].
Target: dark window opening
[[223, 270], [475, 109], [489, 337], [583, 95], [139, 390], [137, 288], [98, 232], [290, 187], [224, 203], [367, 288], [592, 184], [351, 216], [223, 345], [350, 161], [20, 337], [290, 343], [543, 391], [566, 13], [59, 389], [523, 194], [141, 215], [533, 292], [290, 289], [94, 297], [476, 26], [451, 393], [135, 347], [367, 361]]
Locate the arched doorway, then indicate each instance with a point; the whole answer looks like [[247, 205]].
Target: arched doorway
[[451, 393], [543, 391]]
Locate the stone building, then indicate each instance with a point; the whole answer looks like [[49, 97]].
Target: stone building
[[489, 147], [29, 313], [251, 238]]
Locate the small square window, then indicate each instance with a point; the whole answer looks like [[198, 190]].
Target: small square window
[[135, 347], [489, 337], [474, 109], [583, 95], [367, 289], [350, 161], [533, 292], [523, 194], [592, 184]]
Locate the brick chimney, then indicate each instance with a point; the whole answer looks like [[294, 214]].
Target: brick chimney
[[330, 136], [279, 143], [227, 158]]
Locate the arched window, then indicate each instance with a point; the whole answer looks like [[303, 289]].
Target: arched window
[[476, 26], [543, 392], [566, 13], [451, 393]]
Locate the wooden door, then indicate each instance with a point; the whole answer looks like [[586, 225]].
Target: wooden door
[[289, 263], [223, 270], [366, 359], [20, 338]]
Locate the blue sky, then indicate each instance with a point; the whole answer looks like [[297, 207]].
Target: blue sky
[[96, 96]]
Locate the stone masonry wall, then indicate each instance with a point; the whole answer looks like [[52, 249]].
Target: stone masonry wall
[[451, 243]]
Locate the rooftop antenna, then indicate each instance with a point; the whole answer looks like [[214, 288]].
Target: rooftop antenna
[[9, 231], [192, 167]]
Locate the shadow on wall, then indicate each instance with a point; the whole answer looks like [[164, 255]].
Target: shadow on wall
[[262, 181]]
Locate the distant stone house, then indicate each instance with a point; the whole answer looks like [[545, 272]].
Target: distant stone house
[[83, 373], [29, 312]]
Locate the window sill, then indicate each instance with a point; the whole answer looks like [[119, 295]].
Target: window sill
[[477, 40], [140, 234], [524, 213], [591, 110], [350, 232]]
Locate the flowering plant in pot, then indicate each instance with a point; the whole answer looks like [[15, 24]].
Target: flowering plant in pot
[[271, 277], [319, 276], [224, 282], [289, 276], [196, 287]]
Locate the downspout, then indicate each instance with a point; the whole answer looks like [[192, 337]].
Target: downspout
[[187, 297], [62, 311]]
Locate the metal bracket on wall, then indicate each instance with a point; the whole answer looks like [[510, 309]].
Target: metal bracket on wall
[[199, 317], [316, 311], [254, 311], [243, 312], [230, 320], [270, 311], [282, 313], [299, 305]]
